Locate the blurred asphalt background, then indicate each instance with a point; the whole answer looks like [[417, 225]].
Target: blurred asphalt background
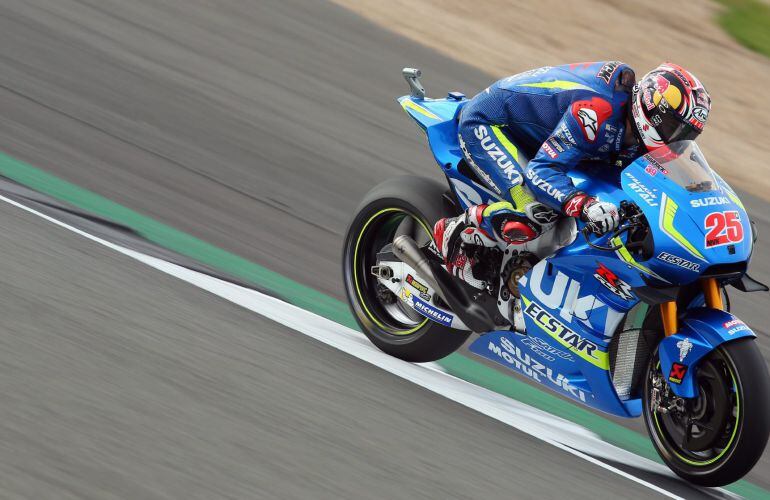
[[256, 126]]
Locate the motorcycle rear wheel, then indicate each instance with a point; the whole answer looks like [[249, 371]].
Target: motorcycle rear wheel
[[397, 206], [723, 432]]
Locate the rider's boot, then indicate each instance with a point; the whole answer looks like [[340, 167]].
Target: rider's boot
[[460, 238]]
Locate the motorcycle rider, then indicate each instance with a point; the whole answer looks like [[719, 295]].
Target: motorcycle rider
[[560, 116]]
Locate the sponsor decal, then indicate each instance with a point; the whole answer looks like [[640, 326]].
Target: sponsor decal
[[434, 250], [565, 135], [647, 99], [661, 84], [423, 289], [549, 150], [677, 373], [556, 144], [574, 205], [532, 368], [486, 178], [605, 72], [666, 96], [709, 201], [741, 328], [679, 261], [645, 193], [723, 228], [589, 121], [590, 114], [680, 76], [570, 339], [611, 130], [481, 173], [652, 170], [695, 123], [561, 294], [428, 310], [684, 346], [619, 142], [542, 214], [545, 186], [734, 326], [656, 120], [613, 283], [544, 349], [498, 156]]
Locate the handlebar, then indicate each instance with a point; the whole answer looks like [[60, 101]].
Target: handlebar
[[630, 213]]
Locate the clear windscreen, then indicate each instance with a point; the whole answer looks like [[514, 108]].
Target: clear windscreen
[[684, 163]]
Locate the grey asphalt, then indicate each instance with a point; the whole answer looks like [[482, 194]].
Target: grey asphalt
[[256, 126], [118, 381]]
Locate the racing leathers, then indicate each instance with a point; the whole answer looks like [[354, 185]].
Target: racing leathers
[[557, 116]]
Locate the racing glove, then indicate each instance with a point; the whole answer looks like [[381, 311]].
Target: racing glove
[[600, 216]]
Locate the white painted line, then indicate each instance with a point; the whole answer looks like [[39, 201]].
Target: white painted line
[[549, 428]]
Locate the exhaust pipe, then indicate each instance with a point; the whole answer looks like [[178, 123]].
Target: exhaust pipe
[[407, 251], [462, 305]]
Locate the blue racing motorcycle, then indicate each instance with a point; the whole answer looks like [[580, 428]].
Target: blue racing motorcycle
[[632, 323]]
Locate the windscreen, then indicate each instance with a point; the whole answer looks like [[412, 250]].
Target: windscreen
[[684, 163]]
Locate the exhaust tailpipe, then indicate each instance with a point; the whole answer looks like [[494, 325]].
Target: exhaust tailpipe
[[470, 312]]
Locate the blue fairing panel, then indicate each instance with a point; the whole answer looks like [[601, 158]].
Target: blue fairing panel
[[680, 219], [428, 112], [438, 119], [701, 331]]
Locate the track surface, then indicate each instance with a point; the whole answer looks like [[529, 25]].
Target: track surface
[[120, 382], [257, 127]]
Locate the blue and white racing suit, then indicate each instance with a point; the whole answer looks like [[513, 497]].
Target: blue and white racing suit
[[557, 116]]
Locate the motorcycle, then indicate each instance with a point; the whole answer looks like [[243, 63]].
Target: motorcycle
[[633, 323]]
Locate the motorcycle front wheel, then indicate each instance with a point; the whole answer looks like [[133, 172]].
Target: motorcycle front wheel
[[717, 437]]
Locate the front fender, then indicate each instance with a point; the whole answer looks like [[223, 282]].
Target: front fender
[[701, 331]]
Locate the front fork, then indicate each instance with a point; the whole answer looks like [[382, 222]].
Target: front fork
[[668, 310], [713, 300], [692, 335]]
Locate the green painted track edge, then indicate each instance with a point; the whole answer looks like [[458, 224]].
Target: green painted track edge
[[312, 300]]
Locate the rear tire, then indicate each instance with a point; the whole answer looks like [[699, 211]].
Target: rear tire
[[735, 374], [385, 210]]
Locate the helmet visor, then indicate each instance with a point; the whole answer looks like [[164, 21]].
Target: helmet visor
[[672, 129]]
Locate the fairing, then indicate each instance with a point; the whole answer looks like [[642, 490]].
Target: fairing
[[693, 230], [438, 119], [702, 331], [571, 315]]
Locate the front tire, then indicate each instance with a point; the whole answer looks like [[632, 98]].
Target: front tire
[[723, 432], [397, 206]]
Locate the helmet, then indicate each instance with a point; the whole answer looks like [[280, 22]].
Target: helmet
[[668, 104]]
